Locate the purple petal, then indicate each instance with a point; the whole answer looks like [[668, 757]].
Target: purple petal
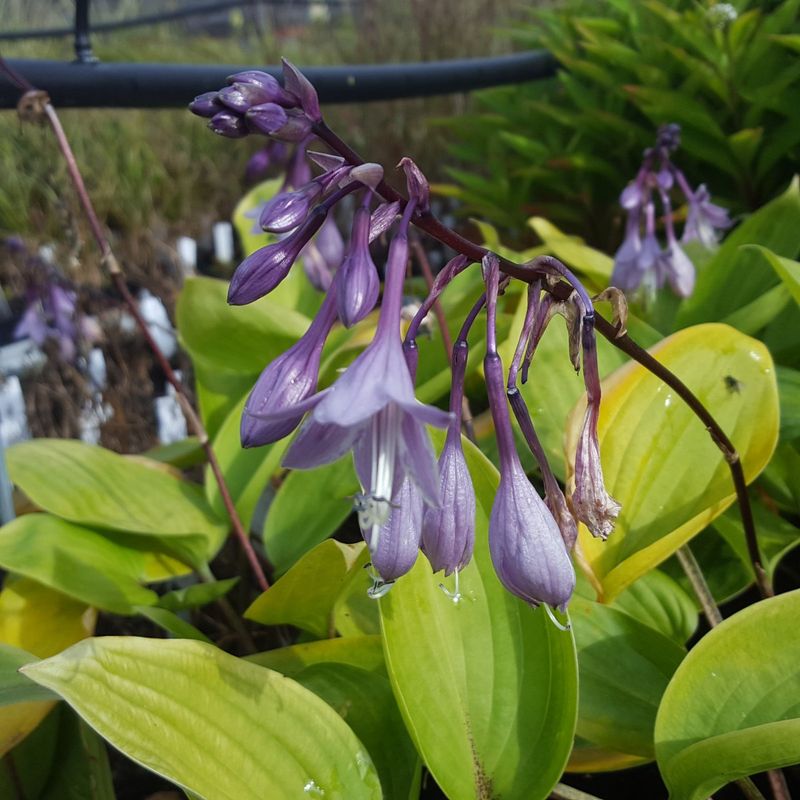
[[398, 539], [383, 217], [416, 454], [318, 444], [206, 105], [228, 124]]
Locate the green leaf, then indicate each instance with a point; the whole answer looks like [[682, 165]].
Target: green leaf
[[789, 392], [477, 678], [305, 596], [355, 612], [732, 707], [172, 623], [658, 462], [247, 471], [211, 723], [365, 652], [81, 771], [92, 486], [218, 392], [16, 688], [33, 757], [199, 594], [184, 454], [77, 561], [624, 667], [234, 338], [786, 269], [660, 602], [42, 622], [309, 506], [365, 702], [737, 275]]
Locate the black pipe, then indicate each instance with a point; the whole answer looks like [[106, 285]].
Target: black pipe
[[149, 19], [106, 85]]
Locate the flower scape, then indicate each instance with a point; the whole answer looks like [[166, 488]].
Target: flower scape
[[409, 499]]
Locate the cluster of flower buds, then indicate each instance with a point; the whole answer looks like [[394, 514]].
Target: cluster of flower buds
[[641, 263], [51, 307], [409, 499]]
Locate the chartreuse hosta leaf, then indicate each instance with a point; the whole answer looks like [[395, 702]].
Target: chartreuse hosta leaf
[[487, 686], [785, 268], [658, 460], [624, 667], [365, 652], [214, 724], [365, 701], [77, 561], [292, 528], [92, 486], [733, 707], [247, 470], [306, 595], [234, 338], [39, 621]]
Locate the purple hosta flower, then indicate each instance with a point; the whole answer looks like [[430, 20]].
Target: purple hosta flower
[[525, 542], [590, 500], [51, 314], [264, 269], [394, 545], [704, 220], [357, 281], [263, 159], [287, 381], [323, 255], [298, 171], [626, 275], [371, 410], [448, 532]]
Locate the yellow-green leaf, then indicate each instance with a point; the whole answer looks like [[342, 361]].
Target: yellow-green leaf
[[787, 270], [218, 726], [733, 706], [365, 652], [93, 486], [306, 595], [42, 622], [658, 460]]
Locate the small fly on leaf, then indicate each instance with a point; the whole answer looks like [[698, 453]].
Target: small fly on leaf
[[733, 385]]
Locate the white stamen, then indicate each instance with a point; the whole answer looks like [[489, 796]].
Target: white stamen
[[554, 620], [455, 595], [385, 435]]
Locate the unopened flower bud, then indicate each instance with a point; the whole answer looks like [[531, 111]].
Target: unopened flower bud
[[394, 546], [289, 379], [300, 87], [228, 124], [357, 281], [264, 269], [268, 87], [417, 184], [286, 125], [206, 105], [448, 532]]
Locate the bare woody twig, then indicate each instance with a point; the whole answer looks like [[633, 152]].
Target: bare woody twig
[[35, 104]]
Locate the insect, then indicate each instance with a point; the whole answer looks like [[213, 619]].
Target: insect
[[733, 385], [371, 510]]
